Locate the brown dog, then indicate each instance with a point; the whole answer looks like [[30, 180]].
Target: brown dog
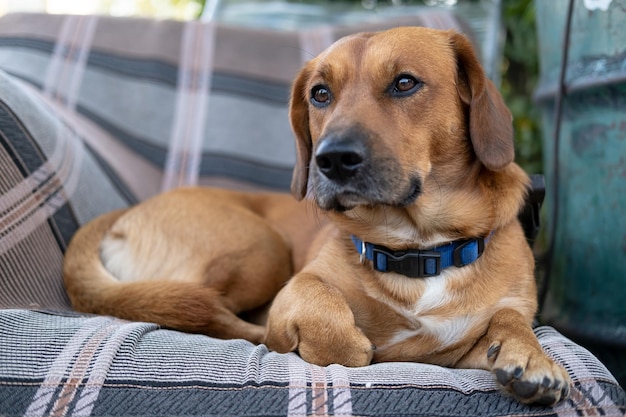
[[408, 147]]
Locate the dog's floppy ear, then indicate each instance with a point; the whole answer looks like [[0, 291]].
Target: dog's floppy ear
[[490, 121], [299, 117]]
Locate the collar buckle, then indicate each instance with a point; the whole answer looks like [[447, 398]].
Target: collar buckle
[[411, 263]]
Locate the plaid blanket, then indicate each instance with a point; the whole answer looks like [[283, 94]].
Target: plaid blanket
[[97, 113], [67, 365]]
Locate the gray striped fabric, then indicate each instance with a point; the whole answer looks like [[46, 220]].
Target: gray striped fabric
[[50, 183], [97, 113], [102, 366]]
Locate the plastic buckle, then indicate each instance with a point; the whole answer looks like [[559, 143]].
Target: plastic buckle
[[412, 264], [457, 253]]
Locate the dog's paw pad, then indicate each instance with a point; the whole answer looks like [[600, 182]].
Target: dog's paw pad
[[504, 377], [544, 385], [525, 389]]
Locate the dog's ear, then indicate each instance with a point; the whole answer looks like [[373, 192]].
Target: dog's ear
[[299, 117], [490, 121]]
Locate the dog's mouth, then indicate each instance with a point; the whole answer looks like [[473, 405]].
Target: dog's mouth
[[344, 202], [343, 197], [414, 191]]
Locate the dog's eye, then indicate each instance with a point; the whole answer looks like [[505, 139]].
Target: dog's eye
[[320, 96], [405, 85]]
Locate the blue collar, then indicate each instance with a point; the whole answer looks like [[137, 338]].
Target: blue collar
[[416, 263]]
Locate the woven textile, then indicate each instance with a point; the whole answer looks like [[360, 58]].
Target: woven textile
[[102, 366], [97, 113], [50, 183]]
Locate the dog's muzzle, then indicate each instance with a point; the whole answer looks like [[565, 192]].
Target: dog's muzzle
[[351, 167]]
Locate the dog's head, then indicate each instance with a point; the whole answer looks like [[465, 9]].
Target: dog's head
[[386, 118]]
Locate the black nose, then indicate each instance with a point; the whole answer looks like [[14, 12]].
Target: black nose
[[339, 160]]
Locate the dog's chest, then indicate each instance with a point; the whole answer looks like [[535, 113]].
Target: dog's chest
[[436, 315]]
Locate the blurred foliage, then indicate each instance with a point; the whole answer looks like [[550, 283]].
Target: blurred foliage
[[519, 78]]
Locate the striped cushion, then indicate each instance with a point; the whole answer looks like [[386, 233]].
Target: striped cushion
[[101, 366]]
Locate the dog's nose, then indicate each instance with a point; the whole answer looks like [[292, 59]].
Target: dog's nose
[[339, 160]]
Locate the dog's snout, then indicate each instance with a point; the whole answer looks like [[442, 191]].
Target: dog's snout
[[339, 160]]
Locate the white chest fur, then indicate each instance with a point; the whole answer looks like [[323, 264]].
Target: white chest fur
[[435, 313]]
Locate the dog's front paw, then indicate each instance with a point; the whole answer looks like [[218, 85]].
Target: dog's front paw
[[319, 339], [528, 374], [313, 318], [347, 346]]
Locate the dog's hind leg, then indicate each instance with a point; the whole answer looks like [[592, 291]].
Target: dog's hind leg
[[188, 306]]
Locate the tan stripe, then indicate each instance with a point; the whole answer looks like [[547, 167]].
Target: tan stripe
[[342, 396], [65, 360], [81, 366], [201, 94], [297, 403], [194, 76], [44, 187], [70, 33], [77, 66], [177, 144], [190, 88], [61, 91], [23, 219], [108, 353], [24, 207], [57, 60], [69, 58], [319, 391]]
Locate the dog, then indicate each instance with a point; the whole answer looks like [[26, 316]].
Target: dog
[[402, 243]]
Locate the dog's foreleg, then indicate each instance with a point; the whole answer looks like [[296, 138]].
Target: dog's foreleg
[[313, 318], [513, 354]]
